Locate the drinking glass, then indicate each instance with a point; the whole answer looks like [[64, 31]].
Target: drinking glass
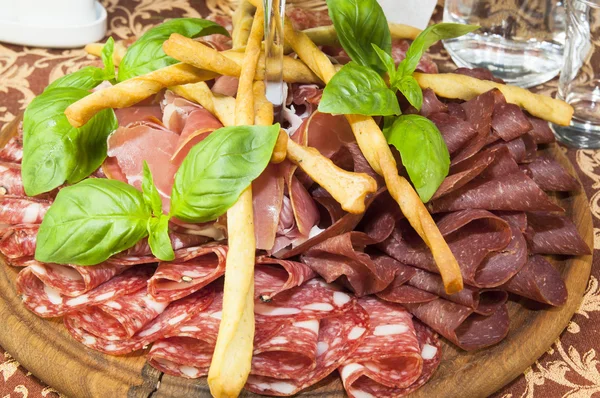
[[579, 82], [520, 41]]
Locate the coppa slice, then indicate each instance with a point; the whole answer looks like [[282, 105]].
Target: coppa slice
[[389, 354], [46, 302]]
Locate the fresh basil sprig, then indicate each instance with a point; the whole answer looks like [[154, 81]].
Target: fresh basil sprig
[[356, 89], [89, 77], [147, 55], [91, 221], [218, 169], [359, 23], [158, 226], [53, 150], [423, 151]]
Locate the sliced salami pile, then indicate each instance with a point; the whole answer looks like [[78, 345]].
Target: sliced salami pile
[[354, 294]]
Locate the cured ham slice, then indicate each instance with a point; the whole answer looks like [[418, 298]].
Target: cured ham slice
[[226, 85], [11, 182], [18, 241], [267, 202], [133, 144], [192, 269], [389, 353], [274, 276], [461, 325], [47, 302], [554, 234], [22, 210], [338, 338], [138, 113], [549, 175], [171, 318], [539, 281], [431, 352]]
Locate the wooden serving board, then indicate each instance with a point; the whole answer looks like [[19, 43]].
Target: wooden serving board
[[45, 348]]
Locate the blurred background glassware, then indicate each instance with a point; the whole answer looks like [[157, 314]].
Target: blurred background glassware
[[579, 82], [520, 41]]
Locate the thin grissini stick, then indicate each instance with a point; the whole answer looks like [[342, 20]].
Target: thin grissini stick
[[230, 365], [230, 62], [118, 53], [452, 85], [327, 36], [280, 150], [134, 90], [346, 187], [374, 146], [242, 23], [222, 106]]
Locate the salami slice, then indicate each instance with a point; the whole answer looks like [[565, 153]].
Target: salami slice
[[192, 269], [269, 280], [338, 338], [181, 356], [13, 150], [21, 210], [539, 281], [172, 317], [11, 182], [389, 354], [550, 175], [119, 318], [343, 257], [364, 387], [461, 325], [47, 302], [554, 234], [72, 280], [18, 241]]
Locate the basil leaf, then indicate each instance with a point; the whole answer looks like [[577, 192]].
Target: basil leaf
[[158, 238], [356, 89], [218, 169], [54, 151], [91, 221], [85, 78], [388, 62], [359, 23], [150, 193], [427, 38], [107, 59], [409, 87], [423, 151], [147, 55]]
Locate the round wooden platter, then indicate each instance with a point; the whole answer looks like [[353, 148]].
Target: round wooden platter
[[45, 348]]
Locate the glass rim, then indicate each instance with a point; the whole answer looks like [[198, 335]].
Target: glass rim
[[591, 3]]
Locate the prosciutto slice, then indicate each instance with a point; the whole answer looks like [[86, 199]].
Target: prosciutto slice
[[267, 203], [138, 113]]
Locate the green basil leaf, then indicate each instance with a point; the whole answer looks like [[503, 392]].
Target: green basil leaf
[[53, 150], [359, 23], [218, 169], [427, 38], [409, 87], [388, 62], [85, 78], [423, 151], [158, 238], [147, 55], [91, 221], [356, 89], [151, 195], [107, 59]]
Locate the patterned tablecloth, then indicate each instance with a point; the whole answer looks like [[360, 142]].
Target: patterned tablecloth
[[570, 368]]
